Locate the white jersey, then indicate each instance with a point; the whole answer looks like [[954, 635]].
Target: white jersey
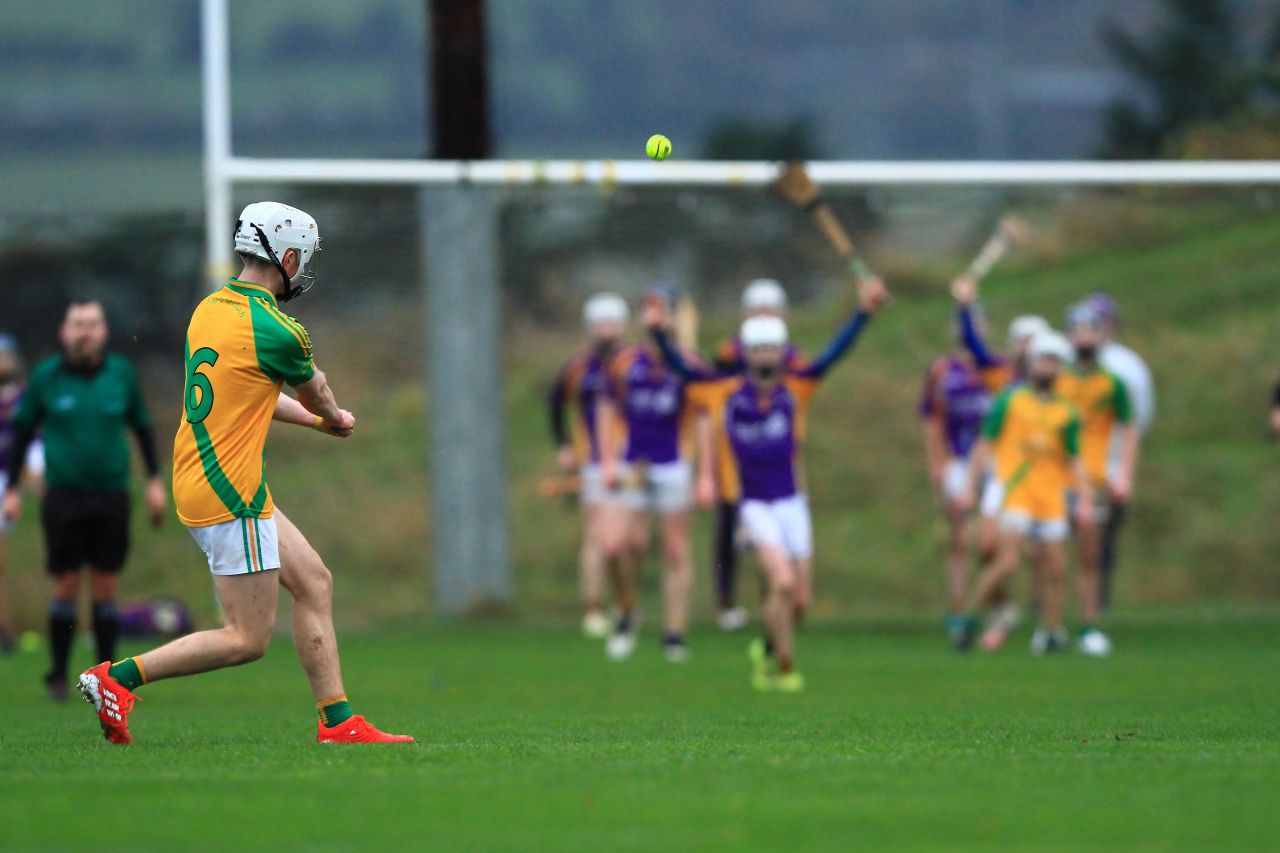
[[1133, 371]]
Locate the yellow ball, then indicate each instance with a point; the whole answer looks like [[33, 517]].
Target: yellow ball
[[658, 147]]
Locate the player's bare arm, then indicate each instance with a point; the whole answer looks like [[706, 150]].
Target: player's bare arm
[[290, 411], [316, 397], [1084, 493], [13, 502], [934, 450], [872, 294], [609, 420], [1122, 485], [964, 291], [704, 491], [156, 498], [977, 465]]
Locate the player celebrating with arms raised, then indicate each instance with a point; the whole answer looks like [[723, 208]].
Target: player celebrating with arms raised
[[241, 348], [953, 405], [760, 420], [762, 297]]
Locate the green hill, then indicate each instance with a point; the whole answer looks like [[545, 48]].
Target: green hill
[[1199, 297]]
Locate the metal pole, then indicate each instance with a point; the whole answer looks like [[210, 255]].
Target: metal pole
[[459, 80], [468, 459], [216, 74]]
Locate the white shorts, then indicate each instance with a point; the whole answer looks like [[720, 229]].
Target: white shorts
[[784, 523], [1024, 525], [241, 546], [665, 488], [992, 497], [593, 490], [955, 479]]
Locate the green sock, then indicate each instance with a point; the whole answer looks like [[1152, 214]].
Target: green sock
[[127, 673], [334, 711]]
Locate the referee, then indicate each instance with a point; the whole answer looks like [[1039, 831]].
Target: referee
[[82, 402]]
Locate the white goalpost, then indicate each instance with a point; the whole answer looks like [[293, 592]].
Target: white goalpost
[[470, 551]]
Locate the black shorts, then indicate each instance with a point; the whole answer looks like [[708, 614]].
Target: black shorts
[[85, 529]]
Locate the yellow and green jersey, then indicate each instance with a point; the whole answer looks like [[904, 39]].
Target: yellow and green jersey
[[1036, 437], [1103, 402], [240, 349]]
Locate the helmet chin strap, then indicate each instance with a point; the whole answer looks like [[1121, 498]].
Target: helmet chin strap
[[290, 289]]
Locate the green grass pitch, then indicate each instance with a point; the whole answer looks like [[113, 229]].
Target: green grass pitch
[[529, 739]]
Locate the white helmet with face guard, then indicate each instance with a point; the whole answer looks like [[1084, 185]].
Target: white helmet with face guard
[[269, 229]]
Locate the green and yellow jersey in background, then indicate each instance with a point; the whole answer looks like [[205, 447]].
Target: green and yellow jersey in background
[[1103, 402]]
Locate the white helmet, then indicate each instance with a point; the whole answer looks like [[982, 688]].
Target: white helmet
[[1027, 326], [1051, 344], [763, 332], [283, 228], [605, 308], [764, 294]]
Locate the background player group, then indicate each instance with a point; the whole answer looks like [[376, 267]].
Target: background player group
[[1028, 441]]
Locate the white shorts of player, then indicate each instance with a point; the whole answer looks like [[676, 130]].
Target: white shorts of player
[[241, 546], [955, 482], [1056, 530], [992, 497], [593, 490], [784, 523], [665, 488], [955, 479]]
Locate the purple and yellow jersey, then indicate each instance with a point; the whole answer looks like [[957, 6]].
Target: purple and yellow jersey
[[1102, 401], [241, 348], [731, 357], [651, 401], [956, 395], [10, 399], [582, 381], [759, 434], [997, 372]]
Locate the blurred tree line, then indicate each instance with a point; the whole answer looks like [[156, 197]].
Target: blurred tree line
[[1194, 70]]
